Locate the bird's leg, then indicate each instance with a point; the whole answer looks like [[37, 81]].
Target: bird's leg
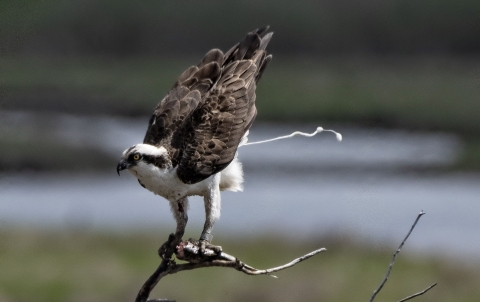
[[179, 209], [212, 213]]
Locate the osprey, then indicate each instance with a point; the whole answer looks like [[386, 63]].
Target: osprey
[[192, 137]]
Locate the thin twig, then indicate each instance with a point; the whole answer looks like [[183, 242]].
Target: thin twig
[[419, 293], [189, 251], [254, 271], [394, 257]]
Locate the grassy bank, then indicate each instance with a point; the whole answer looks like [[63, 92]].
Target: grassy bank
[[423, 92], [84, 266]]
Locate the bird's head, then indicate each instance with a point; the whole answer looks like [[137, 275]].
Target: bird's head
[[143, 157]]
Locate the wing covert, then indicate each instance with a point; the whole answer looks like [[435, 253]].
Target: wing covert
[[186, 95], [215, 128]]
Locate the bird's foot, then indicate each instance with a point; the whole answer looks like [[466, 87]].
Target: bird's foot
[[204, 245], [217, 249], [169, 248]]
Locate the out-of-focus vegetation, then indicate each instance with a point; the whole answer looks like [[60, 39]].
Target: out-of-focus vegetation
[[36, 150], [420, 71], [428, 93], [420, 91], [151, 27], [82, 266]]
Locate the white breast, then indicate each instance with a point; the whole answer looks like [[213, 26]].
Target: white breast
[[167, 184]]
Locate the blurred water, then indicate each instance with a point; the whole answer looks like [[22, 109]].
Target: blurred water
[[299, 187]]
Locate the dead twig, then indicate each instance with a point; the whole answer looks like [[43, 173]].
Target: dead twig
[[189, 251], [393, 261], [419, 293]]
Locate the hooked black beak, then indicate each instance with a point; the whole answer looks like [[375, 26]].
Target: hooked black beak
[[122, 165]]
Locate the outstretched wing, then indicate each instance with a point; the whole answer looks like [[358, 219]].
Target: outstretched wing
[[211, 134], [186, 95]]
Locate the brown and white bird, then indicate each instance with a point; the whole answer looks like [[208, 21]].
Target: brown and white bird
[[190, 147]]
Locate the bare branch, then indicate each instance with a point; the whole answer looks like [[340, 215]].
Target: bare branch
[[419, 293], [254, 271], [189, 251], [395, 257]]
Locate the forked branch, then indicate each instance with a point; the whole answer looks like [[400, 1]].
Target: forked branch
[[392, 262], [189, 251]]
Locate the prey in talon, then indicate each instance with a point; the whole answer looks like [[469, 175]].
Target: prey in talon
[[190, 147]]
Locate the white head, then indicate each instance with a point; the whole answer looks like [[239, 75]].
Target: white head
[[144, 157]]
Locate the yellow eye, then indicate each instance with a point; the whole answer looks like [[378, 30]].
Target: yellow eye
[[136, 157]]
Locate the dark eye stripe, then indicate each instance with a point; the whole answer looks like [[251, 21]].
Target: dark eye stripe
[[158, 161]]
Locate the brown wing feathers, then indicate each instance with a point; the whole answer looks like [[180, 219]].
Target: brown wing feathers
[[187, 93], [219, 123]]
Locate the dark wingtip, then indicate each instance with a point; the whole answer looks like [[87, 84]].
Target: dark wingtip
[[265, 40], [261, 30]]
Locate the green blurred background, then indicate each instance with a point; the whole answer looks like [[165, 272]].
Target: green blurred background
[[409, 64], [405, 64]]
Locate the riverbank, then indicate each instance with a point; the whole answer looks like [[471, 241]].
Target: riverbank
[[431, 93], [438, 94], [77, 266]]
